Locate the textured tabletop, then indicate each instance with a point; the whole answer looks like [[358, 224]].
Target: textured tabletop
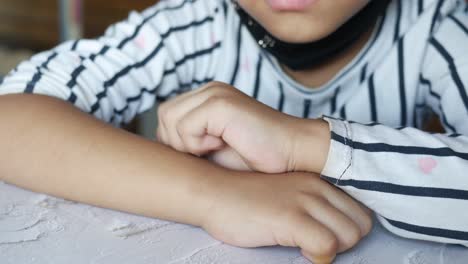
[[35, 228]]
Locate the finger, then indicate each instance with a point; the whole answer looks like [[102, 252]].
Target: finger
[[175, 109], [350, 207], [158, 135], [210, 119], [345, 229], [317, 260], [228, 158], [206, 144], [161, 131], [169, 115], [314, 238], [165, 123]]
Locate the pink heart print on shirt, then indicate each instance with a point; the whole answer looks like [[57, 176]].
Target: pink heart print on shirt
[[427, 165], [140, 41], [213, 38], [246, 65]]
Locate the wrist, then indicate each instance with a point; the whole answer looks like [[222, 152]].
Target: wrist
[[208, 189], [311, 145], [186, 192]]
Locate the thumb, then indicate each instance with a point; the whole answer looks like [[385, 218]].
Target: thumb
[[203, 145]]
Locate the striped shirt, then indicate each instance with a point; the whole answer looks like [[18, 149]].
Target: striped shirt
[[415, 62]]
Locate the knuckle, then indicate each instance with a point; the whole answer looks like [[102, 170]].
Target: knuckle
[[180, 131], [180, 128], [352, 237], [215, 87], [168, 119], [186, 139], [211, 90], [217, 100], [328, 245], [162, 112]]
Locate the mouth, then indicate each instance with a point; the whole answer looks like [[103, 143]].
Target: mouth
[[290, 5]]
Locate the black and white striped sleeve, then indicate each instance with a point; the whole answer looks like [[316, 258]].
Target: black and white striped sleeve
[[151, 55], [416, 182]]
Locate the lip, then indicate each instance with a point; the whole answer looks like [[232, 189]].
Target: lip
[[290, 5]]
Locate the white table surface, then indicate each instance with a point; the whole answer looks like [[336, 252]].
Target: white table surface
[[35, 228]]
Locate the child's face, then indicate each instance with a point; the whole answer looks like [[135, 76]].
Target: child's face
[[302, 20]]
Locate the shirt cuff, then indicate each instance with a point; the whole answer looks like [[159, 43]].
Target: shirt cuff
[[340, 154]]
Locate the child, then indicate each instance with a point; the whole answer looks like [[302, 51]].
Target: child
[[359, 61]]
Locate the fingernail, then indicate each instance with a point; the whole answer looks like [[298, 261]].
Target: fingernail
[[324, 260]]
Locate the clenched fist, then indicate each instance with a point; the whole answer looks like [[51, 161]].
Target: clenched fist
[[238, 132], [294, 210]]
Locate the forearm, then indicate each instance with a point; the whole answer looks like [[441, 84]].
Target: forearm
[[50, 146]]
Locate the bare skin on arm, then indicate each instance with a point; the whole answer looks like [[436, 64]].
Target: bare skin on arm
[[50, 146]]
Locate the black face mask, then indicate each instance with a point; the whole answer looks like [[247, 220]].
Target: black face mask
[[301, 56]]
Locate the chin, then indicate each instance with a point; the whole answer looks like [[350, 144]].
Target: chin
[[313, 24], [296, 32], [300, 34]]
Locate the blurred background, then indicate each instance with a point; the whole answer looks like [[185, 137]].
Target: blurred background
[[30, 26]]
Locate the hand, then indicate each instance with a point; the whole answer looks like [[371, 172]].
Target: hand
[[294, 210], [239, 132]]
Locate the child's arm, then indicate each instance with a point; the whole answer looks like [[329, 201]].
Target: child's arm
[[113, 77], [50, 146]]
